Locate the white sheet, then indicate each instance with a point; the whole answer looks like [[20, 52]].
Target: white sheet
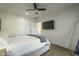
[[24, 50], [25, 44]]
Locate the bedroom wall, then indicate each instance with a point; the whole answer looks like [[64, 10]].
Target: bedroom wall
[[75, 37], [39, 28], [13, 24], [64, 24]]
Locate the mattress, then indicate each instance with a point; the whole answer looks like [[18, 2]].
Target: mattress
[[25, 45]]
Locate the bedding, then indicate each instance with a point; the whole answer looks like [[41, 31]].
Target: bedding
[[26, 44], [21, 50], [42, 38], [21, 44], [4, 40], [4, 37]]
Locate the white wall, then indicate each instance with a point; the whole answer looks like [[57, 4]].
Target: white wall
[[64, 23], [75, 37], [13, 24], [39, 27]]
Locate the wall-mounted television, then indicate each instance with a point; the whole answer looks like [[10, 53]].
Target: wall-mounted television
[[48, 24]]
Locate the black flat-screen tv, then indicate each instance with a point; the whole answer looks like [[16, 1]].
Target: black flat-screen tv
[[48, 24]]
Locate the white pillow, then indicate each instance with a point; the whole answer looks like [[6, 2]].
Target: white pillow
[[2, 42], [5, 37]]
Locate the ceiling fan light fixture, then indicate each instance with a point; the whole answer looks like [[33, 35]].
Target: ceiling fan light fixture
[[27, 13]]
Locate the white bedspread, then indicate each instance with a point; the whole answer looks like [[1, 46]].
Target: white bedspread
[[20, 45]]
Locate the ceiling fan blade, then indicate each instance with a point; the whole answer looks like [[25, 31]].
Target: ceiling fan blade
[[35, 6], [30, 9], [41, 9]]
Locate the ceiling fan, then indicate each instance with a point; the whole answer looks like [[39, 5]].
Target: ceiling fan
[[36, 8]]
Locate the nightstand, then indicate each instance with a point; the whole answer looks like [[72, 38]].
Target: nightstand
[[2, 51]]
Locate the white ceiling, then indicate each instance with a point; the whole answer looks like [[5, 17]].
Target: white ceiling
[[20, 9]]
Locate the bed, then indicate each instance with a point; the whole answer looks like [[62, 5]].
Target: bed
[[27, 45]]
